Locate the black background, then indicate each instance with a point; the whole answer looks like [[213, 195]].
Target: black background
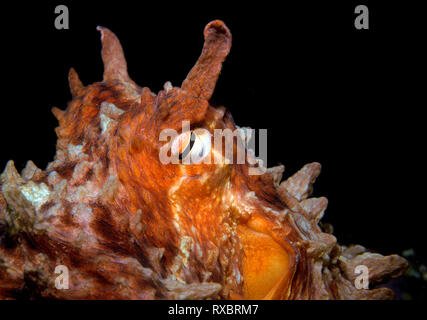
[[349, 99]]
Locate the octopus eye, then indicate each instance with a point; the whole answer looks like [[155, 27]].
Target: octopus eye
[[192, 146], [202, 145], [181, 144]]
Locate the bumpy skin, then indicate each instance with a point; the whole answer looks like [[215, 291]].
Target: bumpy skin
[[129, 227]]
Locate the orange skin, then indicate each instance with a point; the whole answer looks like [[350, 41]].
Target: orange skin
[[208, 200], [200, 195], [129, 226], [214, 222]]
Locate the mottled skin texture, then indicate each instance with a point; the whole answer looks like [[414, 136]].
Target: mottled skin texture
[[130, 227]]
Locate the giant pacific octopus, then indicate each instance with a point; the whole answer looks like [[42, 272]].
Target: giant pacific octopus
[[128, 226]]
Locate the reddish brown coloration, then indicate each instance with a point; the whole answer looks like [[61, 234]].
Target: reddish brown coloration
[[129, 227]]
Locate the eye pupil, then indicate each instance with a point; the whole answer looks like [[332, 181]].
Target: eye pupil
[[188, 148], [194, 144], [192, 140]]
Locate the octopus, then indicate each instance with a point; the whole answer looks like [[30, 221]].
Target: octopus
[[128, 226]]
